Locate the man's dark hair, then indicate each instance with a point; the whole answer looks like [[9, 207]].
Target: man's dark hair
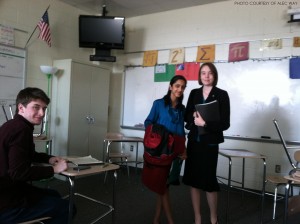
[[25, 96]]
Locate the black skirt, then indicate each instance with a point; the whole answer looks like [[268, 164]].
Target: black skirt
[[201, 166]]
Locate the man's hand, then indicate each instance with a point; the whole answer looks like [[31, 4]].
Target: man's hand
[[59, 164], [55, 159]]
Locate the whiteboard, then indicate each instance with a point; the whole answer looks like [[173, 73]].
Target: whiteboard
[[12, 77], [259, 91]]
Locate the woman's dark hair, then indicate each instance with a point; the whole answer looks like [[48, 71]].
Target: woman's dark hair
[[25, 96], [213, 70], [167, 97]]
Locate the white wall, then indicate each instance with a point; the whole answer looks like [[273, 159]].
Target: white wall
[[220, 23], [24, 15]]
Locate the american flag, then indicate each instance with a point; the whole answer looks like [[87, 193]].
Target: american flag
[[45, 28]]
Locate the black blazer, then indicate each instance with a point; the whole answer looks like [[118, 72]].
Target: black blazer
[[215, 129]]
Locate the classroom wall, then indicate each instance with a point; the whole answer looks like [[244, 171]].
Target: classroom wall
[[219, 23], [63, 19]]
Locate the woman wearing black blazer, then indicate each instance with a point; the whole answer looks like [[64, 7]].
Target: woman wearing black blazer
[[202, 150]]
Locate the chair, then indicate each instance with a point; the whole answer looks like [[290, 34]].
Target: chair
[[117, 156], [280, 181], [294, 201]]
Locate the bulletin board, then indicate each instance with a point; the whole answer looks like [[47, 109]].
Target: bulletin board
[[12, 78], [259, 91]]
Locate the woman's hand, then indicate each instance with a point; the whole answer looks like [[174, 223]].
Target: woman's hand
[[183, 156], [198, 120]]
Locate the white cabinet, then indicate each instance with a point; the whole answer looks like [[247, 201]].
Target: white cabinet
[[79, 108]]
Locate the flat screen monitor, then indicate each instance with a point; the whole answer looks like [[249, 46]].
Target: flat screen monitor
[[101, 32]]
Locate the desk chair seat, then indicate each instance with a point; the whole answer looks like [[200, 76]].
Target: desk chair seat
[[120, 158], [117, 155], [277, 181], [35, 221], [280, 181]]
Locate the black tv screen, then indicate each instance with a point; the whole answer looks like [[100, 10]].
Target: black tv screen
[[101, 32]]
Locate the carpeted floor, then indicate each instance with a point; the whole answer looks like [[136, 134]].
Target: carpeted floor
[[135, 204]]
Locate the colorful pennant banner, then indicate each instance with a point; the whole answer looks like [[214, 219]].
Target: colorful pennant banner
[[176, 56], [190, 70], [150, 58], [238, 52], [206, 53], [164, 75]]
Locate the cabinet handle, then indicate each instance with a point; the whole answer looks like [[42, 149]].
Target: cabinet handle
[[92, 120], [88, 119]]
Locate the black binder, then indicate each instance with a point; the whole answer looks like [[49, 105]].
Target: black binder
[[209, 112]]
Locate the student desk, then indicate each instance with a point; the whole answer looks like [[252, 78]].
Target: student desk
[[71, 175], [108, 141], [242, 154]]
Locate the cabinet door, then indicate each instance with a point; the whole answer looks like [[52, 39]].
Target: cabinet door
[[100, 79], [79, 109], [88, 110]]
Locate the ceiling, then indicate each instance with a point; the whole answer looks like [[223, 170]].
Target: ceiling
[[131, 8]]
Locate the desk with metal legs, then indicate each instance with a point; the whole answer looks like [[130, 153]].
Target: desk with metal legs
[[108, 141], [243, 154], [71, 175]]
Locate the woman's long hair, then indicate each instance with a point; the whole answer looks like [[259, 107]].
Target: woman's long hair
[[167, 97]]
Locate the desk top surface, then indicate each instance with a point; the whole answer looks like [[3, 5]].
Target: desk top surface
[[292, 179], [95, 169], [240, 153], [42, 139], [124, 139]]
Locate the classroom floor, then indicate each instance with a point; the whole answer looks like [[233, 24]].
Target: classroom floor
[[135, 204]]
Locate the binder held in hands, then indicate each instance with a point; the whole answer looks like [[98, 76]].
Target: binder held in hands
[[209, 112]]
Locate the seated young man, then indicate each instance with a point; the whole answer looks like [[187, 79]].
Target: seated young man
[[19, 200]]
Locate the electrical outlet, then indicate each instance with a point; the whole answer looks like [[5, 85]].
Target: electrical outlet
[[131, 148], [277, 168]]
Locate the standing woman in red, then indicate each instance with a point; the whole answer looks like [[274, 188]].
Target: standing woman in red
[[202, 150], [169, 112]]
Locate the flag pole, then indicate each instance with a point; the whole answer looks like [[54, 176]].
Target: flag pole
[[35, 28]]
